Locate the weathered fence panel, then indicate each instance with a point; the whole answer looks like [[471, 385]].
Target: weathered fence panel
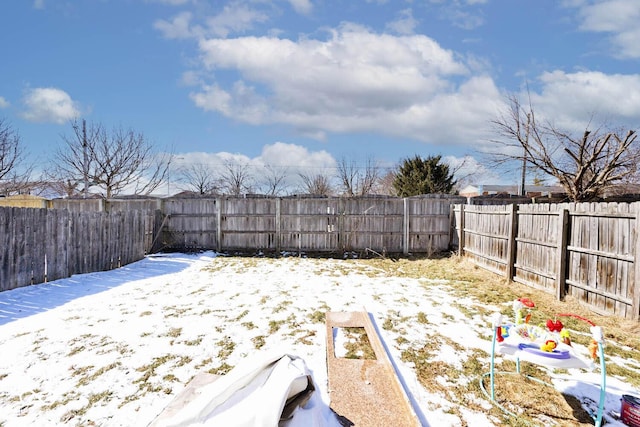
[[428, 223], [537, 240], [190, 224], [601, 256], [310, 224], [78, 205], [106, 205], [48, 244], [381, 224], [248, 223], [587, 250], [126, 205], [485, 235]]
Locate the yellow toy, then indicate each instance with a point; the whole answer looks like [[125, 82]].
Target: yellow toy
[[549, 345]]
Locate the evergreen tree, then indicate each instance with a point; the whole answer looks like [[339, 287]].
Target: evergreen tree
[[423, 176]]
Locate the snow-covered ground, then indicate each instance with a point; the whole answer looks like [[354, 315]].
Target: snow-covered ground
[[114, 348]]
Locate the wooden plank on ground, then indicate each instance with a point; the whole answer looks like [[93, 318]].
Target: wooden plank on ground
[[365, 392]]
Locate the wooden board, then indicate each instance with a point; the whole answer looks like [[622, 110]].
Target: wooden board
[[365, 392]]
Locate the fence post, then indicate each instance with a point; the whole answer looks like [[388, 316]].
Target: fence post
[[452, 224], [511, 242], [461, 231], [278, 227], [405, 227], [219, 223], [635, 305], [561, 270]]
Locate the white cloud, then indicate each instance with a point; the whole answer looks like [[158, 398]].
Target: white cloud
[[295, 157], [609, 15], [49, 105], [404, 24], [178, 28], [303, 7], [464, 19], [354, 81], [290, 160], [4, 103], [572, 99], [619, 18], [38, 4], [215, 160], [191, 78], [468, 170], [234, 18], [357, 81], [464, 14], [241, 103]]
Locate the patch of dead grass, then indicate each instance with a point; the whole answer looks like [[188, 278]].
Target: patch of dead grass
[[535, 403]]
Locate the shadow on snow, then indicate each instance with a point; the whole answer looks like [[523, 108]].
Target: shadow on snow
[[29, 300]]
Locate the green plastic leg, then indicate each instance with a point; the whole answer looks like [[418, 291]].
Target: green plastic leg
[[493, 355]]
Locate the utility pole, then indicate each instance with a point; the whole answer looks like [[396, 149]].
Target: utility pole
[[524, 157], [85, 164]]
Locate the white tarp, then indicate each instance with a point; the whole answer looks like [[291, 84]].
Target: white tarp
[[262, 391]]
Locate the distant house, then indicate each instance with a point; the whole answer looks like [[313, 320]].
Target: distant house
[[511, 190], [622, 190]]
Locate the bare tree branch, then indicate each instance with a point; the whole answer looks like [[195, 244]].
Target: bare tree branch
[[316, 184], [200, 177], [274, 180], [115, 161], [584, 166], [236, 178], [358, 181], [14, 171]]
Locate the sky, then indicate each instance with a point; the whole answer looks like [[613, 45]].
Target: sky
[[115, 348], [308, 83]]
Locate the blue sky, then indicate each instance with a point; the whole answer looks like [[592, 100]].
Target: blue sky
[[305, 83]]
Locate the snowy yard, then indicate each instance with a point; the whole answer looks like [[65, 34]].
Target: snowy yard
[[114, 348]]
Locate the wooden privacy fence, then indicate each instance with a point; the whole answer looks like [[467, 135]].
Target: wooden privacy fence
[[586, 250], [381, 224], [38, 245], [86, 235]]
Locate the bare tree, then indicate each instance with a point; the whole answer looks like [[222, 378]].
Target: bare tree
[[115, 161], [355, 180], [317, 184], [14, 171], [199, 177], [236, 178], [385, 182], [584, 165], [52, 184], [273, 180]]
